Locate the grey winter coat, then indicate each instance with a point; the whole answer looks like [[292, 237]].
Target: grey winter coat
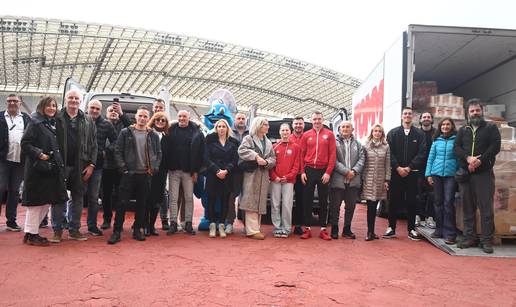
[[256, 184], [357, 159], [377, 170]]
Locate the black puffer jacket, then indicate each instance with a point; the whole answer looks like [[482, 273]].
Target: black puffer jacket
[[407, 150], [106, 138], [40, 188], [123, 122], [485, 141]]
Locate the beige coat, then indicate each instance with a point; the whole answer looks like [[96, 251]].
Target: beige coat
[[256, 184], [377, 170]]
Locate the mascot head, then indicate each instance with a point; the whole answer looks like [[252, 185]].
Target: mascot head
[[222, 105]]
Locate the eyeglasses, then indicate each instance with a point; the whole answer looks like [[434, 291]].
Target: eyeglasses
[[12, 100], [160, 120]]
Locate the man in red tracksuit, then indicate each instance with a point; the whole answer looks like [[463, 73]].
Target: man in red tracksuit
[[318, 151]]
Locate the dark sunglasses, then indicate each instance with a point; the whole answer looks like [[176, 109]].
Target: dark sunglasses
[[161, 120]]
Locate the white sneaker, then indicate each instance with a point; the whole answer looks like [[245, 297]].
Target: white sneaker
[[414, 235], [222, 233], [418, 221], [213, 230], [389, 233], [181, 226], [229, 229], [430, 223]]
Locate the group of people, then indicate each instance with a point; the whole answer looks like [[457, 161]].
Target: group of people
[[54, 151]]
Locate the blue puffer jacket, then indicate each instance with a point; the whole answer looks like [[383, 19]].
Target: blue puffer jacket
[[442, 160]]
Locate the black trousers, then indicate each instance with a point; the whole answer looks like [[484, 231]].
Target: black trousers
[[223, 194], [478, 193], [403, 195], [350, 197], [371, 215], [110, 186], [138, 184], [313, 176], [297, 212]]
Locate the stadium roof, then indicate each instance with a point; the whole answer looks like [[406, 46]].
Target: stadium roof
[[37, 55]]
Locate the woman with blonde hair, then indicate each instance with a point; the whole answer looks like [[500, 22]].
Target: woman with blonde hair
[[257, 153], [376, 175], [160, 123], [221, 158]]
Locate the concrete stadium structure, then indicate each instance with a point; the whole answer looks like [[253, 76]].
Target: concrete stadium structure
[[37, 55]]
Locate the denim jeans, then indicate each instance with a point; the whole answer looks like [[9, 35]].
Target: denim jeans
[[444, 195], [92, 193], [74, 205], [11, 176]]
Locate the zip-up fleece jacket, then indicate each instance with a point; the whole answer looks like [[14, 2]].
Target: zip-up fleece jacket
[[484, 142], [319, 149], [288, 155], [407, 150], [441, 159], [125, 151]]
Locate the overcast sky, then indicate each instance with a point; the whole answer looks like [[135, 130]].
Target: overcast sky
[[346, 36]]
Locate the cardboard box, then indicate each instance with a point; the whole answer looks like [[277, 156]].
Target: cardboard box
[[421, 93], [494, 111], [447, 100]]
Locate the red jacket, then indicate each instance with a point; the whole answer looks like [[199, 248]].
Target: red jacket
[[319, 149], [294, 139], [288, 155]]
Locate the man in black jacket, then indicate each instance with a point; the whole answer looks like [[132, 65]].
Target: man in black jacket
[[105, 132], [425, 212], [110, 174], [138, 155], [77, 138], [407, 145], [13, 123], [184, 150], [476, 147]]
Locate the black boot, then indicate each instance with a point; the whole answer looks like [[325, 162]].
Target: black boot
[[173, 228], [335, 232], [189, 228], [138, 235], [115, 238], [348, 234]]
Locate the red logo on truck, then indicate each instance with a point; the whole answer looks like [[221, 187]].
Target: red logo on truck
[[369, 111]]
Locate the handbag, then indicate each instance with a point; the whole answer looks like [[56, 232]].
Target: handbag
[[462, 175], [247, 166], [44, 166]]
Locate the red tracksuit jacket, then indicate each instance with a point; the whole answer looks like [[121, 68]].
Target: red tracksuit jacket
[[288, 155], [319, 149]]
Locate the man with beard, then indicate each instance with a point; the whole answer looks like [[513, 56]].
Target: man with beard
[[298, 125], [476, 147], [426, 194]]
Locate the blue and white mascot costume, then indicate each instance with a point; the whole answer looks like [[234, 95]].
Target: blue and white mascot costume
[[222, 106]]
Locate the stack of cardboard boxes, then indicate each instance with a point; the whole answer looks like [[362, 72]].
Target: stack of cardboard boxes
[[504, 203]]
